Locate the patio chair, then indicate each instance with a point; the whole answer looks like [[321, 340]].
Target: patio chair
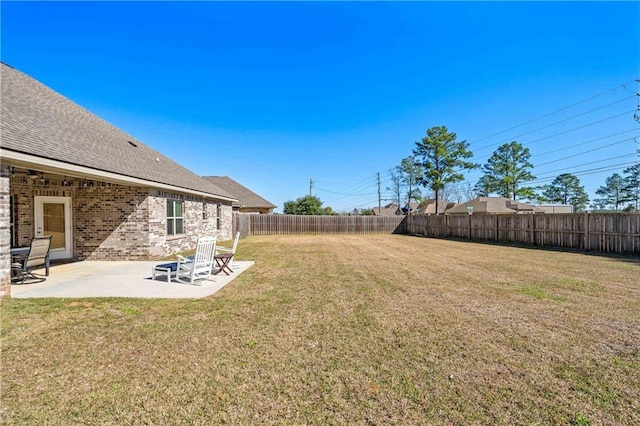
[[38, 256], [200, 265], [228, 250]]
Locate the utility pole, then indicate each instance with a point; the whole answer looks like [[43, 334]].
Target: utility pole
[[310, 187], [379, 200]]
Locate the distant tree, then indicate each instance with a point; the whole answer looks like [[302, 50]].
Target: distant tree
[[506, 170], [632, 183], [328, 211], [598, 205], [483, 187], [359, 212], [468, 193], [442, 158], [614, 192], [307, 205], [537, 197], [405, 179], [566, 189], [396, 184], [411, 172], [457, 193]]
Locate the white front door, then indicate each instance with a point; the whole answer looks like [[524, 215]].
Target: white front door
[[53, 217]]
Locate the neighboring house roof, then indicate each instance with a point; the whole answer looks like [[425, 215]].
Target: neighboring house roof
[[556, 208], [410, 208], [429, 206], [494, 205], [391, 209], [41, 126], [246, 197]]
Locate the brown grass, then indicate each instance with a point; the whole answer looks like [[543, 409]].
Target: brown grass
[[343, 329]]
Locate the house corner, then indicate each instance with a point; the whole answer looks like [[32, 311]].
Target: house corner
[[5, 233]]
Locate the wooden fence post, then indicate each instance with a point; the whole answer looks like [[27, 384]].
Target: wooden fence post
[[533, 229], [587, 237]]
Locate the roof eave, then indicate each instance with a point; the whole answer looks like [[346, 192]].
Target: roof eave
[[34, 162]]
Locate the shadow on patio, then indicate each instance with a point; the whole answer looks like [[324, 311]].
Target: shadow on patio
[[119, 279]]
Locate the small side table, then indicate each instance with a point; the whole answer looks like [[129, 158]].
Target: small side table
[[223, 260]]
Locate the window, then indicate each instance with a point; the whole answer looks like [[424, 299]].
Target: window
[[204, 210], [175, 220], [218, 212]]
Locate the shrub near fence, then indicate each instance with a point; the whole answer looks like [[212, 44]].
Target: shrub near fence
[[270, 224], [605, 232]]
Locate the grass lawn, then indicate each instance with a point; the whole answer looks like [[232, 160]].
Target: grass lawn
[[343, 329]]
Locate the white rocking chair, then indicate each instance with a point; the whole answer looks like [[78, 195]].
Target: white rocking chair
[[200, 265]]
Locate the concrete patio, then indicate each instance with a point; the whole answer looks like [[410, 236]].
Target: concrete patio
[[119, 279]]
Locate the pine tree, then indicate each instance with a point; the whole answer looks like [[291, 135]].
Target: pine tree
[[442, 158], [506, 170], [566, 189], [614, 192]]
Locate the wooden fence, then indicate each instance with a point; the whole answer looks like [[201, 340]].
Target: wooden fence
[[272, 224], [604, 232]]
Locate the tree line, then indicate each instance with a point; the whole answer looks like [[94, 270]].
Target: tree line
[[439, 161]]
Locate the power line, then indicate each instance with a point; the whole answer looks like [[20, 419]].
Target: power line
[[585, 152], [366, 180], [569, 131], [590, 163], [360, 190], [583, 143], [355, 188], [379, 199], [559, 122], [586, 172], [549, 175], [344, 193], [557, 111]]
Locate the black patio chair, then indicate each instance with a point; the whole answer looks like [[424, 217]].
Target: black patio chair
[[22, 269]]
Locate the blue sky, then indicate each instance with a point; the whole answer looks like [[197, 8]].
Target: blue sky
[[273, 94]]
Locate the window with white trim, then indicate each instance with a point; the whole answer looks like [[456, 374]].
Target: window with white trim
[[218, 214], [175, 217]]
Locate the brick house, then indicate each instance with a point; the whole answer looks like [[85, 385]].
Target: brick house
[[248, 201], [101, 193]]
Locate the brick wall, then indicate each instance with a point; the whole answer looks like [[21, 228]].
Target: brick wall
[[195, 222], [119, 222], [5, 234], [111, 223], [24, 191]]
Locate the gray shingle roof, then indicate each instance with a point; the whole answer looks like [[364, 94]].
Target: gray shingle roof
[[39, 121], [245, 196]]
